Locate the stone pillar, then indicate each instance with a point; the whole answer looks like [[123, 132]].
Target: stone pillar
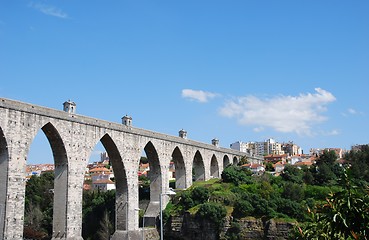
[[4, 158], [126, 203], [188, 157], [206, 159], [60, 201], [78, 146], [74, 199], [18, 144]]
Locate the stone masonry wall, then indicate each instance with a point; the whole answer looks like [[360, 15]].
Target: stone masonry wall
[[72, 138]]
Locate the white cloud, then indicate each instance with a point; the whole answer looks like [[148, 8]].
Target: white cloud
[[352, 111], [258, 129], [198, 95], [282, 113], [49, 10], [333, 132]]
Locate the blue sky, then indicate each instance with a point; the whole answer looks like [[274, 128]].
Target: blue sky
[[235, 70]]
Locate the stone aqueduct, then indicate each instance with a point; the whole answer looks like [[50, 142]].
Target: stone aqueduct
[[72, 139]]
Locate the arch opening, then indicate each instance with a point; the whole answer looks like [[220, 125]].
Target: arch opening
[[226, 162], [4, 159], [46, 188], [106, 182], [214, 167], [235, 161], [177, 170], [198, 168], [154, 177]]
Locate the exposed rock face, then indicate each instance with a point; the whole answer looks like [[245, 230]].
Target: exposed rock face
[[188, 227]]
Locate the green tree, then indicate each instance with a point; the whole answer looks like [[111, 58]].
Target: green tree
[[95, 205], [344, 215], [292, 174], [359, 161], [39, 206], [106, 227], [212, 211], [200, 195], [185, 200], [326, 170], [269, 167], [242, 208], [236, 175], [293, 191], [243, 160]]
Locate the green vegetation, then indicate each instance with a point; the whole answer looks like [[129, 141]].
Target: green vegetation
[[39, 206], [98, 214], [327, 201], [345, 213]]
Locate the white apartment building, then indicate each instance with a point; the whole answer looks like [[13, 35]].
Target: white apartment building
[[269, 146], [239, 146]]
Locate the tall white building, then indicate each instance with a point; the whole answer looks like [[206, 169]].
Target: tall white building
[[239, 146], [269, 146]]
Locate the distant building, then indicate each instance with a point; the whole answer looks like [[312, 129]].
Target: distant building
[[38, 169], [255, 168], [103, 185], [239, 146], [269, 146], [275, 158], [104, 156], [291, 149], [319, 151], [279, 167], [358, 147]]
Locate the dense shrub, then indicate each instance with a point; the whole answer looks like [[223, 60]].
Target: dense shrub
[[293, 191], [212, 211], [233, 233], [185, 200], [236, 175], [242, 208], [317, 192], [292, 174], [344, 215], [291, 208], [200, 195]]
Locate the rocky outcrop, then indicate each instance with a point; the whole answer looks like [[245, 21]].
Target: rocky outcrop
[[188, 227]]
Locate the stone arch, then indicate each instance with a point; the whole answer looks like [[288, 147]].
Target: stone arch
[[180, 169], [155, 177], [235, 160], [214, 167], [154, 174], [60, 179], [4, 159], [121, 185], [226, 161], [198, 168]]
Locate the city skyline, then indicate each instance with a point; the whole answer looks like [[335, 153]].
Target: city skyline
[[240, 71]]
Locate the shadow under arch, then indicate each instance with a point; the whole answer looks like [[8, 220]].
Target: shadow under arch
[[226, 161], [198, 168], [154, 174], [214, 167], [235, 161], [4, 159], [155, 177], [121, 185], [180, 169], [60, 180]]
